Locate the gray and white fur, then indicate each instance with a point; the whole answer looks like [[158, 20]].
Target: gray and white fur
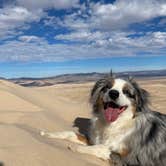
[[145, 142]]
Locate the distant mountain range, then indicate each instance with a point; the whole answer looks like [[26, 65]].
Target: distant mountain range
[[84, 77]]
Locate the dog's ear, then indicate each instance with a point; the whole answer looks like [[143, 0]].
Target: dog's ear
[[95, 94], [142, 96], [111, 74]]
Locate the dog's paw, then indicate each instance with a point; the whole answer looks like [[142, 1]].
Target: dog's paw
[[115, 159], [42, 133], [46, 134]]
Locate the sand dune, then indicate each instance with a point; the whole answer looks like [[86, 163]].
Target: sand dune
[[26, 111]]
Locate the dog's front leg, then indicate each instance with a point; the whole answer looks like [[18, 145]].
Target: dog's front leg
[[101, 151], [116, 160], [66, 135], [118, 154]]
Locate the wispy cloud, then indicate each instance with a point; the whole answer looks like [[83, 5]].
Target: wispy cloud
[[31, 39], [13, 17], [82, 36], [123, 13], [32, 48], [47, 4]]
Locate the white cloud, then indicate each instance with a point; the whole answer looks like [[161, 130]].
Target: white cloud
[[104, 17], [47, 4], [82, 36], [32, 48], [32, 38], [109, 17], [123, 13], [118, 39], [71, 21], [16, 17], [23, 51]]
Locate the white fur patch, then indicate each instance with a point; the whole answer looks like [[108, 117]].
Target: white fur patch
[[119, 84], [122, 100], [67, 135], [116, 133], [100, 151]]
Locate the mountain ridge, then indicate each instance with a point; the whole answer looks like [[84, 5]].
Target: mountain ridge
[[84, 77]]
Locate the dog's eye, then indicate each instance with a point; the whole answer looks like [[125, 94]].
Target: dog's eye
[[128, 93], [104, 89], [125, 91]]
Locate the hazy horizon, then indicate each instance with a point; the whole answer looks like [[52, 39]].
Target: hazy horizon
[[90, 72]]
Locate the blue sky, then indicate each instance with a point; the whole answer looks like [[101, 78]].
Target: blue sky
[[50, 37]]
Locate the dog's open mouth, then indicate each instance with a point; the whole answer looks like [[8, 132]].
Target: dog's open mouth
[[112, 111]]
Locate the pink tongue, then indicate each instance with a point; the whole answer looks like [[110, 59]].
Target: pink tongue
[[111, 114]]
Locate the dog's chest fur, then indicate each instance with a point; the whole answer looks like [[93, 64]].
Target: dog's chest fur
[[115, 133]]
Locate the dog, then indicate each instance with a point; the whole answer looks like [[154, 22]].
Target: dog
[[124, 130]]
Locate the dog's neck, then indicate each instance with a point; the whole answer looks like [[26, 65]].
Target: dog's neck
[[117, 131]]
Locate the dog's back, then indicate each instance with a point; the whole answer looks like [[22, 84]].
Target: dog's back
[[148, 142]]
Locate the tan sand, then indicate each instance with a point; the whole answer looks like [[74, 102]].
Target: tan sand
[[26, 111]]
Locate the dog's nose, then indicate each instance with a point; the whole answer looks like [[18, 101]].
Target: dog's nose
[[114, 94]]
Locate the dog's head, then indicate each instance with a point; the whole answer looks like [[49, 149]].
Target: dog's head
[[111, 97]]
